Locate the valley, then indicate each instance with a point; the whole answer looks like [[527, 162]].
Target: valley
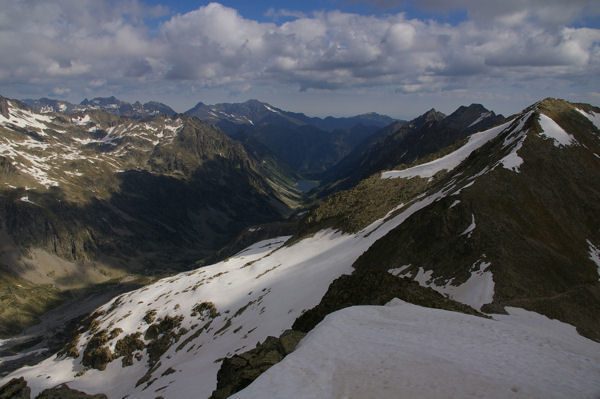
[[186, 239]]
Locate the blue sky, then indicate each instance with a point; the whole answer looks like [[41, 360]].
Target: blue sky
[[259, 10], [332, 57]]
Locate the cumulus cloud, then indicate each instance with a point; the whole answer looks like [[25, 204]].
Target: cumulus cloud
[[60, 90], [283, 13], [98, 40], [514, 12], [97, 82]]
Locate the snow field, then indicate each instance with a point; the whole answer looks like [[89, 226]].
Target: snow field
[[406, 351], [481, 117], [556, 133], [477, 291], [45, 160], [592, 116], [451, 160], [24, 118], [264, 288], [258, 292], [513, 161]]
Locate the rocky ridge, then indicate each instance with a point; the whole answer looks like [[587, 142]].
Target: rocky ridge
[[91, 196], [439, 233], [407, 142]]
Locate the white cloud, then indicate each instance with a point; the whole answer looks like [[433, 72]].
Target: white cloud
[[513, 12], [60, 90], [97, 82], [68, 41], [283, 13]]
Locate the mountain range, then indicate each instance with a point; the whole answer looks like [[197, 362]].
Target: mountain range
[[407, 142], [446, 256], [308, 144], [93, 197], [112, 104]]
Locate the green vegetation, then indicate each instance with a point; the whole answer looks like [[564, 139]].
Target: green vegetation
[[114, 333], [149, 316], [356, 208], [168, 371], [96, 354], [224, 327], [21, 303], [15, 389], [162, 334], [126, 346], [195, 335], [205, 310]]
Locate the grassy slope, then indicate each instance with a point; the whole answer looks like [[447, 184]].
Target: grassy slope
[[21, 303]]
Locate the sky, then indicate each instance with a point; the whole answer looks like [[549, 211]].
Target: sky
[[328, 57]]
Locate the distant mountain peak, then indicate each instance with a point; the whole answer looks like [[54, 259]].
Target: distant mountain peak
[[4, 111], [111, 104], [430, 116], [433, 114]]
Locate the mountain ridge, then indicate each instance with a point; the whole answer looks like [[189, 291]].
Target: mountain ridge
[[504, 217], [406, 142], [316, 142], [93, 196]]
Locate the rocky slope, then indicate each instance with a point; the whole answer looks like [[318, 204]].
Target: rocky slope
[[309, 145], [112, 104], [254, 112], [92, 196], [506, 219], [406, 142]]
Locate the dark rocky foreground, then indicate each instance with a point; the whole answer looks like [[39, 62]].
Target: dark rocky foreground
[[17, 389]]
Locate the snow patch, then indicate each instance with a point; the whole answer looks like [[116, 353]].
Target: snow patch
[[595, 256], [82, 120], [403, 350], [481, 117], [258, 292], [398, 270], [21, 355], [456, 202], [26, 199], [463, 187], [271, 109], [25, 118], [469, 230], [450, 161], [552, 130], [513, 161], [592, 116], [477, 291]]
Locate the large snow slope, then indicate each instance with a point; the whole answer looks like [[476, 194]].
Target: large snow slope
[[259, 292], [406, 351], [451, 160]]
